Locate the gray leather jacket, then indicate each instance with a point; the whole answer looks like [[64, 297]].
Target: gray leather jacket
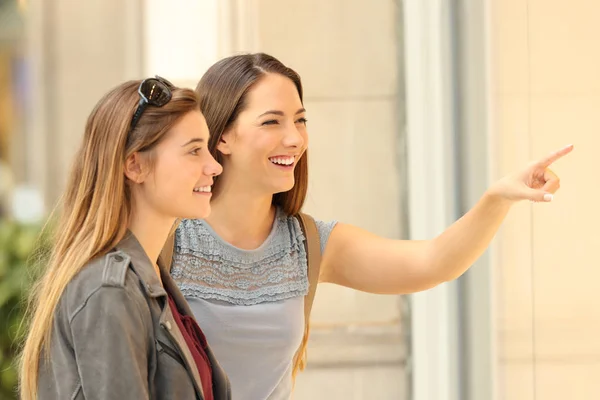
[[114, 336]]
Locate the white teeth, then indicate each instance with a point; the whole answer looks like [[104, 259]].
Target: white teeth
[[203, 189], [283, 160]]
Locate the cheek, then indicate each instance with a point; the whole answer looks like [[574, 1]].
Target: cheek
[[174, 174], [252, 153], [265, 145], [305, 137], [254, 148], [189, 170]]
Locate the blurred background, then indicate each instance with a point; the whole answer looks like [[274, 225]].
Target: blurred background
[[415, 106]]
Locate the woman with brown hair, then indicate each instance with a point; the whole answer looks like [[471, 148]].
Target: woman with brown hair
[[108, 322], [243, 270]]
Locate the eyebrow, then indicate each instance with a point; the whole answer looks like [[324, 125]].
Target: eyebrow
[[281, 113], [194, 140]]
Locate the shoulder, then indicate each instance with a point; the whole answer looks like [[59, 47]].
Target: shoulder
[[104, 283], [193, 235], [324, 229]]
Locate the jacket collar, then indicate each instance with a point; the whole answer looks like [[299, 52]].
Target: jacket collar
[[142, 265]]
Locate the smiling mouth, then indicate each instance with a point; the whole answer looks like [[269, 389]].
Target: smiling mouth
[[204, 190], [283, 161]]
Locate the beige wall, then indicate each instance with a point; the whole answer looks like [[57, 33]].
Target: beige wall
[[545, 63], [77, 50]]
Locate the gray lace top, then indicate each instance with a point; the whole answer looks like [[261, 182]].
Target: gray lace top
[[249, 303]]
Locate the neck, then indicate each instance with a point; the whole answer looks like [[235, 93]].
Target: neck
[[240, 216], [151, 230]]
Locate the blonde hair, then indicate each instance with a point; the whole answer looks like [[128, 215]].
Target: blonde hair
[[96, 206], [300, 356]]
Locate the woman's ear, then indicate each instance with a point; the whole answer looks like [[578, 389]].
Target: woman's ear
[[136, 168], [224, 145]]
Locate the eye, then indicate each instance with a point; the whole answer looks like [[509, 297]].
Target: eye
[[195, 151], [270, 122], [302, 121]]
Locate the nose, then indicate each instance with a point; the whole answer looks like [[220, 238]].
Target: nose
[[212, 167], [293, 137]]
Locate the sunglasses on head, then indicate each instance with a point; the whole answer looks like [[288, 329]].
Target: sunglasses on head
[[153, 92]]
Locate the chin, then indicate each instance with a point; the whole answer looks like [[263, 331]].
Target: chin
[[202, 215], [282, 188], [197, 213]]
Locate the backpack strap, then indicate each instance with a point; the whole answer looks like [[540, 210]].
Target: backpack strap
[[312, 245], [166, 255], [313, 255]]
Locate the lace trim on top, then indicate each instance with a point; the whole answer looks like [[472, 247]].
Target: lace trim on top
[[207, 267]]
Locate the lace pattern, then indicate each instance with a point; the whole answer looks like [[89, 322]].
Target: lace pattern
[[204, 266]]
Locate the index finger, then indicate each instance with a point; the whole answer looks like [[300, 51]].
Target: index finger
[[548, 160]]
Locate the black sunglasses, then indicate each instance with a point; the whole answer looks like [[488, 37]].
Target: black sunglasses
[[153, 92]]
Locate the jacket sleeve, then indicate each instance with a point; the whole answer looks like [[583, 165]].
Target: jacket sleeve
[[111, 335]]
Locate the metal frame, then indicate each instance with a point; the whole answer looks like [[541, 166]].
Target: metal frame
[[452, 341], [432, 191], [477, 307]]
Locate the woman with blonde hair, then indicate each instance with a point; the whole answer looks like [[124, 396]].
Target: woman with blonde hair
[[108, 322]]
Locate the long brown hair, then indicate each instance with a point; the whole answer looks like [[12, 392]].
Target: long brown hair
[[223, 92], [96, 205]]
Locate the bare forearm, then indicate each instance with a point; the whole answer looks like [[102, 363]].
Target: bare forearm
[[459, 246], [361, 260]]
